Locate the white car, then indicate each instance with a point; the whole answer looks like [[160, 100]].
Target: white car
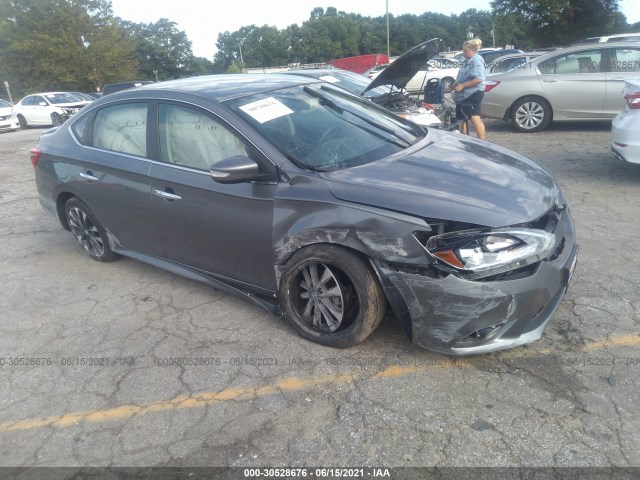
[[444, 69], [50, 108], [8, 120], [625, 129]]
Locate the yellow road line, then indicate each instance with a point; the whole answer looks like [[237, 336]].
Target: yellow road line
[[290, 384]]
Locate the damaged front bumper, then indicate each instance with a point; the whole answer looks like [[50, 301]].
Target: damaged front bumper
[[457, 316]]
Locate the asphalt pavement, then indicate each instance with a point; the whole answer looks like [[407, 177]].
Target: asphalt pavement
[[123, 364]]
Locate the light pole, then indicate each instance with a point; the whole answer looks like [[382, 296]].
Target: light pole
[[388, 50]]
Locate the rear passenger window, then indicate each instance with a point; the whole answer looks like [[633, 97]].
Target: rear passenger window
[[122, 128]]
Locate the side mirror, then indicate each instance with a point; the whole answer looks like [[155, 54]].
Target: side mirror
[[236, 169]]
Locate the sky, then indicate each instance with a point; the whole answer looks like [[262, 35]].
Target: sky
[[202, 22]]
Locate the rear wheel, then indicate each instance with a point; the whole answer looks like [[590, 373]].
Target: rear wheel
[[88, 231], [530, 114], [331, 296]]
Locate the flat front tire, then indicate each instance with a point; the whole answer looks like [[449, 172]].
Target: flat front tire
[[331, 296], [88, 231]]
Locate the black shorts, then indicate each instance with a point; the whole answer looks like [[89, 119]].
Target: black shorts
[[470, 106]]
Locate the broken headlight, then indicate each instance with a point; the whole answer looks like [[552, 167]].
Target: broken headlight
[[481, 254]]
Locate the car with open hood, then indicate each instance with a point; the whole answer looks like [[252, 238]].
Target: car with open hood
[[317, 205], [387, 96]]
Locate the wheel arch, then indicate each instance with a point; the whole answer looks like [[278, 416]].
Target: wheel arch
[[61, 201]]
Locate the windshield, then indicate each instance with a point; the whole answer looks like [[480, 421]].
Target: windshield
[[4, 104], [55, 98], [322, 128]]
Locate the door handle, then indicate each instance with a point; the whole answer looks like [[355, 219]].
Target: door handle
[[549, 80], [88, 176], [166, 195], [618, 79]]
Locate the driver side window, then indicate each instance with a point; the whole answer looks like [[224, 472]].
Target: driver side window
[[191, 138]]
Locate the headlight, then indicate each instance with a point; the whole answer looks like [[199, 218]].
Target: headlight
[[481, 254]]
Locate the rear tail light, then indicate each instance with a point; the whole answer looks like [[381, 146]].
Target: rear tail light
[[490, 85], [633, 100], [35, 154]]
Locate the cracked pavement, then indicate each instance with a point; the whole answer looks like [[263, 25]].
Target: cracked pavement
[[103, 387]]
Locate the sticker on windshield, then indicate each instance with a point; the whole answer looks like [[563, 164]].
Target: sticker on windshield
[[329, 78], [266, 109]]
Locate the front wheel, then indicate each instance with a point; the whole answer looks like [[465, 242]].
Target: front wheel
[[330, 296], [530, 114], [88, 231], [56, 119], [23, 122]]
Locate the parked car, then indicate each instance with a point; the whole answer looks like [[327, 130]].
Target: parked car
[[386, 96], [375, 71], [50, 108], [620, 37], [118, 87], [8, 120], [83, 97], [490, 55], [443, 69], [509, 62], [625, 128], [578, 83], [318, 204]]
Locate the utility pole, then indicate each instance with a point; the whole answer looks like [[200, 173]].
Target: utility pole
[[493, 34], [388, 50], [6, 86], [241, 59]]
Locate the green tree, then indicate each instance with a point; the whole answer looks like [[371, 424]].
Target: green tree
[[162, 50], [561, 22], [62, 44]]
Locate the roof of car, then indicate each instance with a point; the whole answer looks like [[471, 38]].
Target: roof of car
[[225, 87]]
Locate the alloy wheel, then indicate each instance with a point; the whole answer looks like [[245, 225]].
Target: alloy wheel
[[530, 115], [322, 298], [85, 232]]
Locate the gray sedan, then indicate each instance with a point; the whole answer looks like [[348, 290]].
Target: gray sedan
[[578, 83], [317, 205]]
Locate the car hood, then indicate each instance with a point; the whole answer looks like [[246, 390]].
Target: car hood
[[452, 177], [4, 111], [407, 65]]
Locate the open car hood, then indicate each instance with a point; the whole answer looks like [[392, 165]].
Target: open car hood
[[407, 65]]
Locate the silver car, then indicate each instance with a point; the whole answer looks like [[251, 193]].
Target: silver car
[[572, 84]]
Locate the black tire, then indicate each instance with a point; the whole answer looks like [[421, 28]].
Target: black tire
[[344, 299], [530, 114], [88, 231], [56, 119], [23, 122]]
